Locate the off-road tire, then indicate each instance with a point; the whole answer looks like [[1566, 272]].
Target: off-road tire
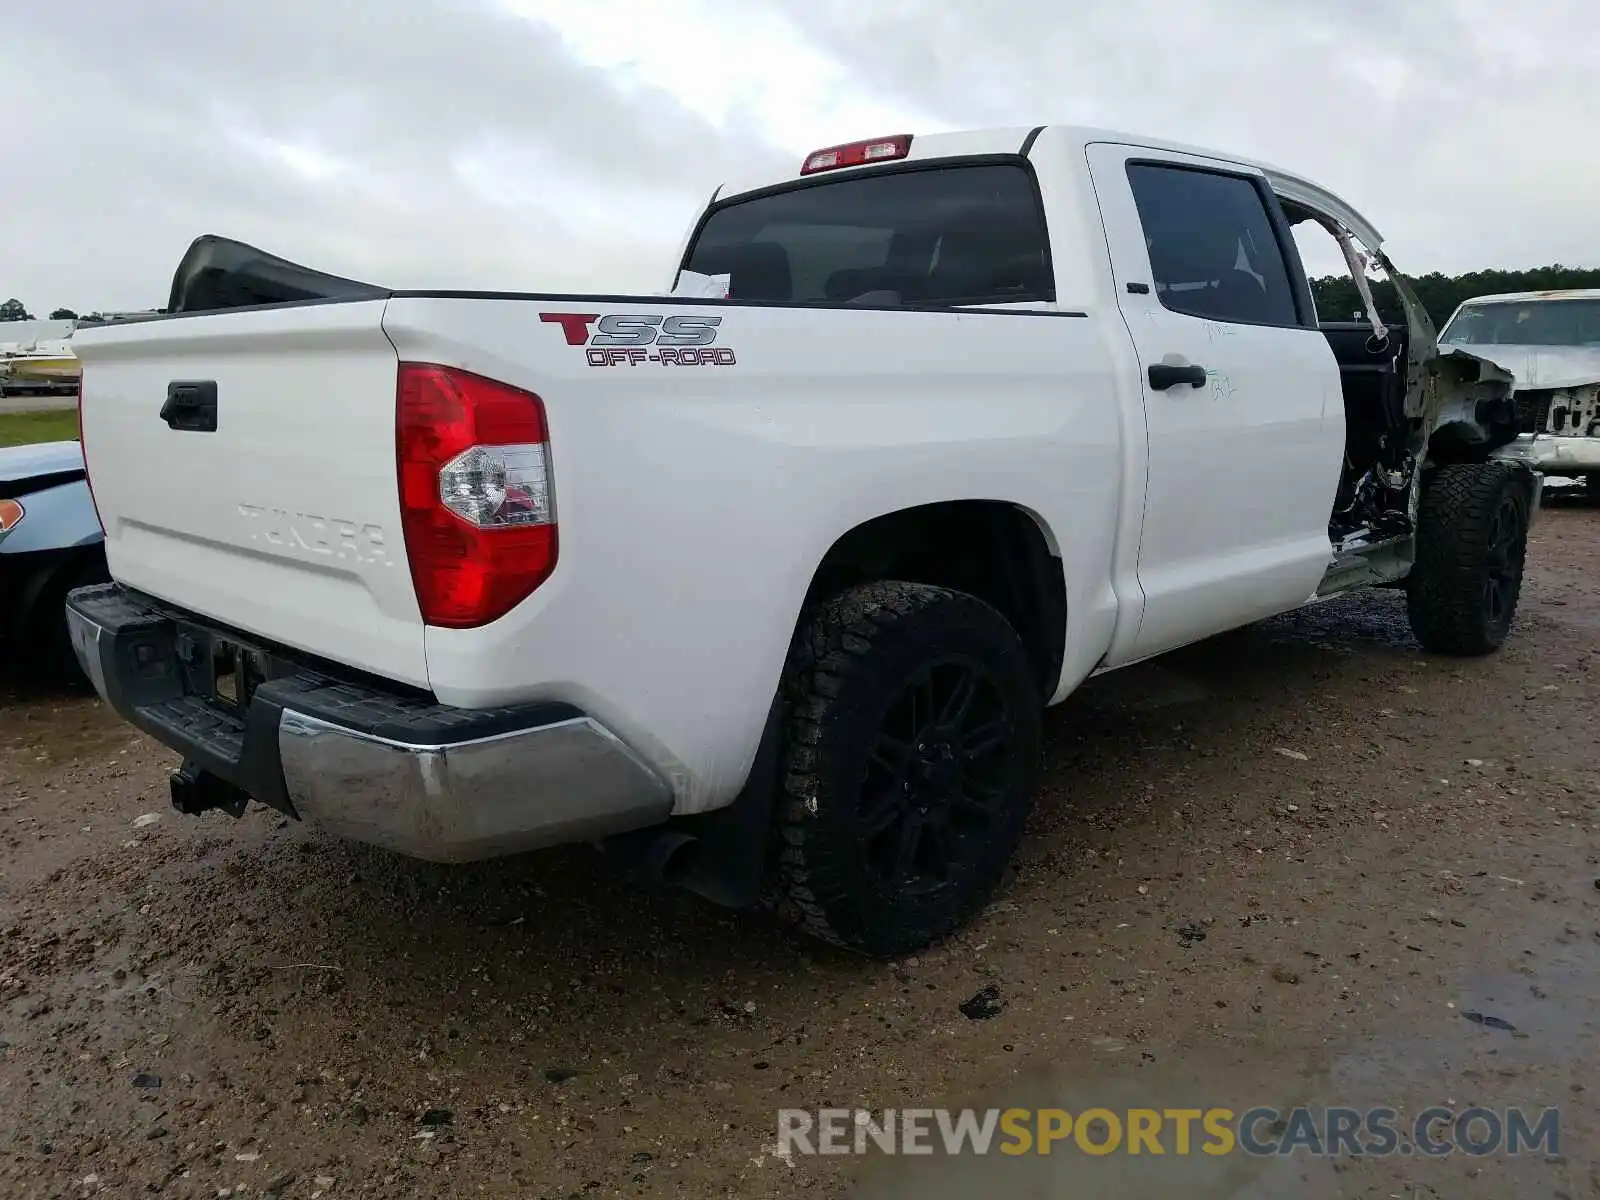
[[1472, 540], [858, 663]]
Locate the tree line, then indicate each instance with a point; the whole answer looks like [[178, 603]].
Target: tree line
[[15, 310], [1338, 300]]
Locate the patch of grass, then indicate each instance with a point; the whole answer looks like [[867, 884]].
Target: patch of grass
[[25, 428]]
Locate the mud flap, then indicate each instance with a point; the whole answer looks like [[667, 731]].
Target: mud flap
[[732, 864]]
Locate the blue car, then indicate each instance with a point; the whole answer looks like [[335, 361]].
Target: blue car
[[50, 543]]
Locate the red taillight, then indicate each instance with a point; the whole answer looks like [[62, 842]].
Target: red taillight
[[855, 154], [83, 447], [475, 497]]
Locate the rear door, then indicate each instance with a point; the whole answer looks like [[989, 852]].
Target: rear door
[[1241, 392], [243, 464]]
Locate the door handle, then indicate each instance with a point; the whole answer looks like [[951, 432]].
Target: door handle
[[191, 406], [1165, 375]]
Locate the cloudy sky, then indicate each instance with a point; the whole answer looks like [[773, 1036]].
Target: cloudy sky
[[566, 144]]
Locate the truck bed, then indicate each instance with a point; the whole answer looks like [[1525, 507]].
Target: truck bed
[[695, 494]]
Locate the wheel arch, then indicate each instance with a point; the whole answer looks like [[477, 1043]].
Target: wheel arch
[[1004, 553]]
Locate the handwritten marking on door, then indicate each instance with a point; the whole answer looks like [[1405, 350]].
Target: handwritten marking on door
[[1221, 386]]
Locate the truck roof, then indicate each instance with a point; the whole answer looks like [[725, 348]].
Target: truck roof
[[1011, 139]]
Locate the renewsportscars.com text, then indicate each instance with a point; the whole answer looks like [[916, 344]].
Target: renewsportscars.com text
[[1260, 1131]]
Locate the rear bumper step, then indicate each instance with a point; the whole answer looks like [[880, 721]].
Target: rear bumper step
[[381, 765]]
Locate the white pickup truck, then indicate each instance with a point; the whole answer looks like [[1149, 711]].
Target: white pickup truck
[[766, 594]]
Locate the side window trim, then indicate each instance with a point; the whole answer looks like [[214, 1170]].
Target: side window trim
[[1305, 305], [1294, 269]]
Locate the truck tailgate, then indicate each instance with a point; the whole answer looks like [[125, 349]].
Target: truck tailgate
[[265, 498]]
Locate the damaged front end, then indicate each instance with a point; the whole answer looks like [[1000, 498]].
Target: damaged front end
[[1411, 407], [1458, 405], [1559, 432], [1549, 344]]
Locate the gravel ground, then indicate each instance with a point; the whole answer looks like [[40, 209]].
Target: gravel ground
[[1281, 865]]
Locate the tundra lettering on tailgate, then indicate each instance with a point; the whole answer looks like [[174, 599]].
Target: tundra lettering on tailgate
[[632, 339], [313, 535]]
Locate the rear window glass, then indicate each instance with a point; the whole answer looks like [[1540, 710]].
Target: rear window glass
[[946, 235]]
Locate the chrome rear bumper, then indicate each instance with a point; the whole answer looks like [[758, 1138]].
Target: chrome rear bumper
[[568, 781], [372, 763]]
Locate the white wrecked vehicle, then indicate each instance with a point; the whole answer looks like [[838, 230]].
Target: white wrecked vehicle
[[766, 590], [1549, 342]]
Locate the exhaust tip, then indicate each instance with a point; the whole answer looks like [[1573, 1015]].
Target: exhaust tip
[[655, 855], [671, 855]]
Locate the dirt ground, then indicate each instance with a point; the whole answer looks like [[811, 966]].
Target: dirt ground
[[205, 1007]]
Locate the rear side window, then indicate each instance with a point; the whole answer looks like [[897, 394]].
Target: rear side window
[[1213, 250], [944, 235]]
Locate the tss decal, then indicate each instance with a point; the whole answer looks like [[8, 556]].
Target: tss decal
[[632, 339]]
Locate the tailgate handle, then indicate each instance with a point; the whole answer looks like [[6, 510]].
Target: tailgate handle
[[191, 405]]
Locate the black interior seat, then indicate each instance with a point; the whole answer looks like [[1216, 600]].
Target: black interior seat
[[845, 285], [1209, 256], [987, 264], [1242, 295], [756, 270]]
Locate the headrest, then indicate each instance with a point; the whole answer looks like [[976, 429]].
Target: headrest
[[756, 270], [1188, 255], [989, 262]]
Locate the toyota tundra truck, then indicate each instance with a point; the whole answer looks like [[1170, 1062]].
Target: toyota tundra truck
[[763, 587]]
